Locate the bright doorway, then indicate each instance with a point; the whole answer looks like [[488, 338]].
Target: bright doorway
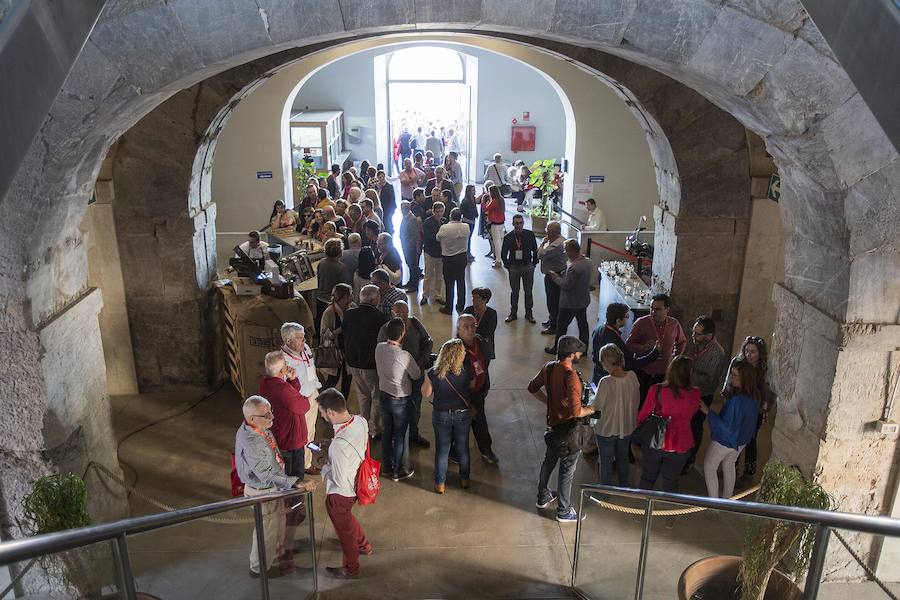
[[432, 88]]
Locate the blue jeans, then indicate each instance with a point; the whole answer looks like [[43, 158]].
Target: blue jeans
[[564, 483], [395, 413], [613, 448], [450, 426]]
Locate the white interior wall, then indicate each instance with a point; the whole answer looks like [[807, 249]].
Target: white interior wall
[[505, 87], [609, 140]]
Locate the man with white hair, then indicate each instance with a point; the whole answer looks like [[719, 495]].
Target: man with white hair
[[361, 326], [299, 357], [497, 171], [260, 467]]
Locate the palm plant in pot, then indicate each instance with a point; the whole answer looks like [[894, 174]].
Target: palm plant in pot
[[543, 178], [767, 543]]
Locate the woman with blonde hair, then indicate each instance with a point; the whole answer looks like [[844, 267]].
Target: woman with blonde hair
[[376, 203], [618, 398], [448, 382]]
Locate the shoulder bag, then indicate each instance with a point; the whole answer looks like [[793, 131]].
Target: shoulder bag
[[327, 355], [568, 437], [652, 432], [472, 410]]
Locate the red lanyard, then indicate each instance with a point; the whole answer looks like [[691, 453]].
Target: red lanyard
[[302, 358], [518, 243], [656, 330], [705, 350], [271, 442], [344, 426]]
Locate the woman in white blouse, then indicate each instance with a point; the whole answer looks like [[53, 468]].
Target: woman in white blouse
[[618, 399]]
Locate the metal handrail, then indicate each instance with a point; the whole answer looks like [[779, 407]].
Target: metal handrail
[[839, 520], [824, 521], [32, 547]]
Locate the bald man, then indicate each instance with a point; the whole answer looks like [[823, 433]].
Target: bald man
[[552, 257]]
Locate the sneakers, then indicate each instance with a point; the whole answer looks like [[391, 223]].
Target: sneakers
[[569, 516], [402, 475], [490, 457], [341, 573], [550, 500]]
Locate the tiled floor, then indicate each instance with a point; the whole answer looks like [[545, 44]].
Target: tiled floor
[[487, 542]]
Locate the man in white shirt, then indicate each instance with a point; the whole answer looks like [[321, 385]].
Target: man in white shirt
[[454, 144], [254, 248], [497, 172], [397, 369], [454, 240], [299, 357], [595, 220], [344, 455], [420, 141]]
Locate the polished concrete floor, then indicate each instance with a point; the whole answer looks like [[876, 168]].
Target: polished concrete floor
[[486, 542]]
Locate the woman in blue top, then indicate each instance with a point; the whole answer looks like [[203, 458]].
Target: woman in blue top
[[731, 429], [448, 383]]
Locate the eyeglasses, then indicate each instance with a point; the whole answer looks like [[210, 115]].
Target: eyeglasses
[[267, 415]]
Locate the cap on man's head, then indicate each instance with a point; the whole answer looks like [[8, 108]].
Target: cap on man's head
[[569, 344]]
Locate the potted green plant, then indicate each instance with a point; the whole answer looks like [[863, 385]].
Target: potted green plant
[[767, 542], [543, 179]]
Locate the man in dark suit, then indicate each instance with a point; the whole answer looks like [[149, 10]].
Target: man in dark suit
[[610, 333], [440, 180], [361, 326], [387, 199]]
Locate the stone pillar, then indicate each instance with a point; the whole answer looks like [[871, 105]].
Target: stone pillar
[[834, 355]]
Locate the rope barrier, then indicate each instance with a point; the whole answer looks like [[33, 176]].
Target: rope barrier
[[677, 512]]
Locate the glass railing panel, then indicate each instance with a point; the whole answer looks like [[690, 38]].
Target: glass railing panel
[[687, 545], [297, 565], [608, 546], [204, 558], [85, 572]]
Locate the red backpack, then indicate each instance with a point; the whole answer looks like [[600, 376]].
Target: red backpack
[[367, 482]]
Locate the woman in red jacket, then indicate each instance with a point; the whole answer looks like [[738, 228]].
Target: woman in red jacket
[[678, 402], [495, 208]]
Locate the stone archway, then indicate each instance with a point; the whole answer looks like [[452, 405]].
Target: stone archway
[[765, 64]]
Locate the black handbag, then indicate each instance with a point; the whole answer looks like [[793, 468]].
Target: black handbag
[[652, 432], [568, 437], [327, 355]]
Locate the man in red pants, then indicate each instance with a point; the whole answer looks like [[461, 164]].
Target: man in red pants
[[345, 453]]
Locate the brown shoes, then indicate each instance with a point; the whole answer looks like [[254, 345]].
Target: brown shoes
[[464, 484], [439, 488]]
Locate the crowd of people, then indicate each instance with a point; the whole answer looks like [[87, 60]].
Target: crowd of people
[[368, 342]]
